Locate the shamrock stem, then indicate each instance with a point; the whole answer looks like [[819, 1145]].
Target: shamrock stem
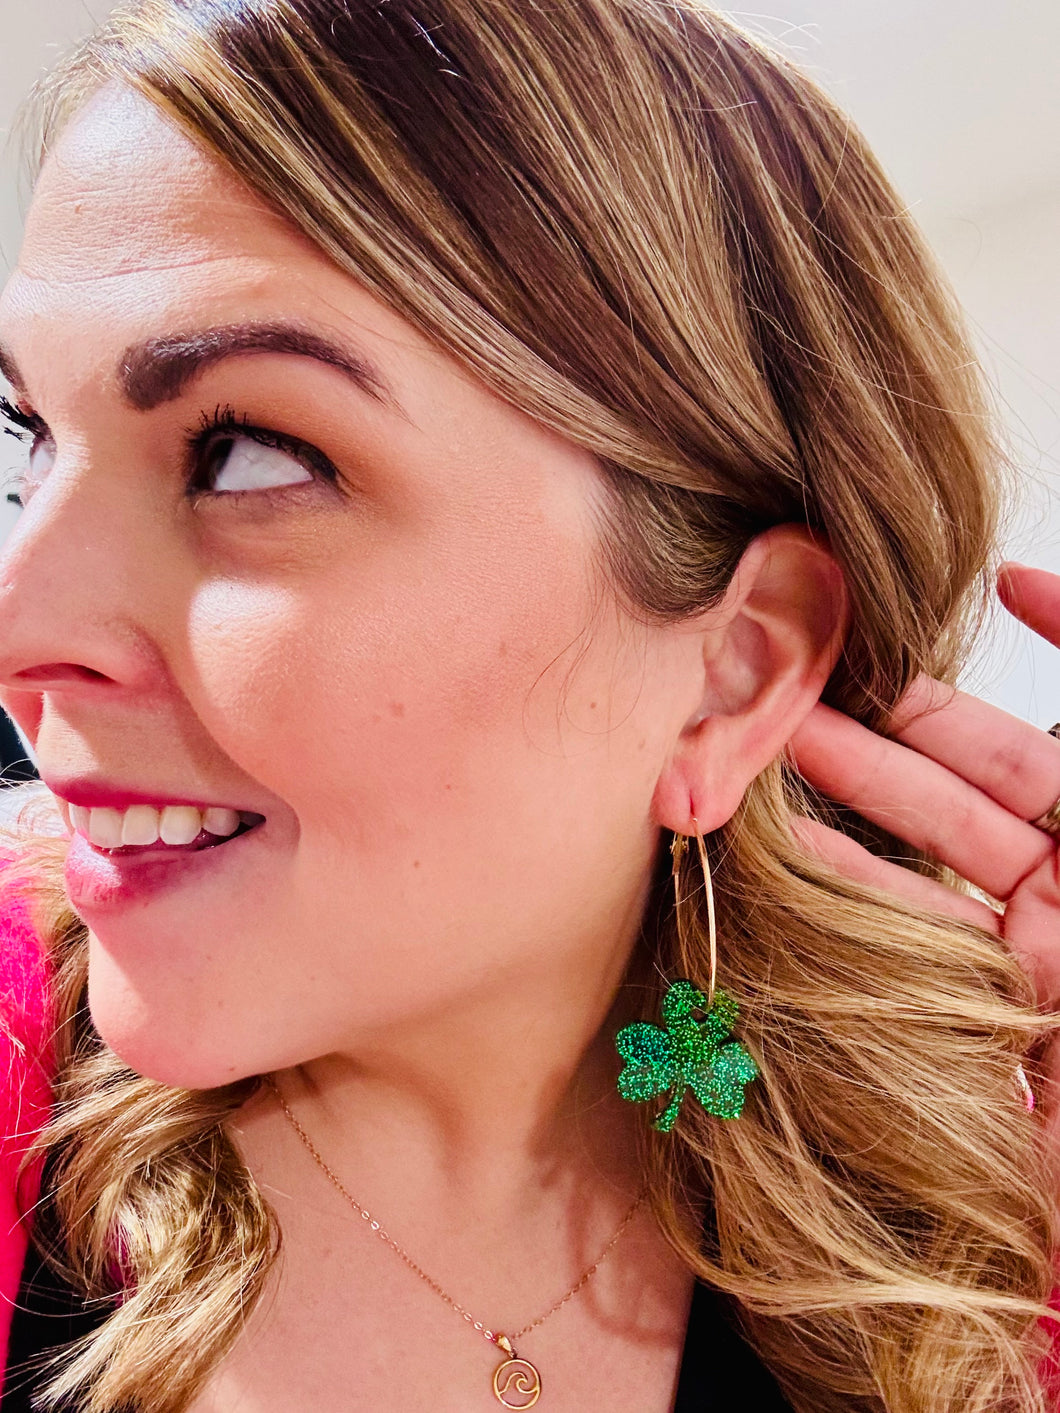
[[666, 1120]]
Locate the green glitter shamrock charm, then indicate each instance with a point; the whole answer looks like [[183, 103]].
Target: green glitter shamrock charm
[[688, 1053]]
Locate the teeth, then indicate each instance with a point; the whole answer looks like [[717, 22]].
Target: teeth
[[144, 824], [140, 825], [105, 828], [180, 824], [220, 821]]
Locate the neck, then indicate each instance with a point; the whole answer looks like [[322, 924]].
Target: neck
[[496, 1112], [483, 1111], [496, 1150]]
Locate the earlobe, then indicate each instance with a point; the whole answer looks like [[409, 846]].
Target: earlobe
[[768, 650]]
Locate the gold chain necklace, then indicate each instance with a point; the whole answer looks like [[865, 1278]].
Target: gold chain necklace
[[514, 1378]]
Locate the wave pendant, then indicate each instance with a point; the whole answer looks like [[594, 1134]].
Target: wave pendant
[[516, 1382]]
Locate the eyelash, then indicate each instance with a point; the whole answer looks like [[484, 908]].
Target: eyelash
[[24, 421], [224, 422], [214, 426], [24, 426]]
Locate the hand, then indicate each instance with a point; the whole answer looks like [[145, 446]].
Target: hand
[[959, 779]]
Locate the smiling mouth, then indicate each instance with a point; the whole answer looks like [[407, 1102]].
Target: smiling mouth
[[203, 840], [156, 832]]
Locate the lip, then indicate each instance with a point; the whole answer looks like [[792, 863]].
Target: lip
[[93, 793], [97, 881]]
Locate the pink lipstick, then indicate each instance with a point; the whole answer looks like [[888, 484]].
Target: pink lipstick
[[110, 878]]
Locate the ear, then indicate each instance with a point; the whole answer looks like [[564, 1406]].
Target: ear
[[768, 650]]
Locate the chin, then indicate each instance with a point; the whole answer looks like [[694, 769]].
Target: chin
[[153, 1041]]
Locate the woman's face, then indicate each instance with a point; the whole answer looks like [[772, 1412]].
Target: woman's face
[[248, 577]]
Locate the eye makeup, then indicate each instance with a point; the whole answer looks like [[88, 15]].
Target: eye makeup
[[206, 448], [22, 424], [210, 444]]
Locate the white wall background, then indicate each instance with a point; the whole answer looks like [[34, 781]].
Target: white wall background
[[961, 100]]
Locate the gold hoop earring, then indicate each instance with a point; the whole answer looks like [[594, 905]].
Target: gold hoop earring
[[678, 849], [687, 1053]]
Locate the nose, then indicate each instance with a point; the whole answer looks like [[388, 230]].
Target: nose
[[77, 573]]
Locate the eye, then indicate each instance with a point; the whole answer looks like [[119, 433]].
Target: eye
[[30, 429], [243, 464], [230, 457]]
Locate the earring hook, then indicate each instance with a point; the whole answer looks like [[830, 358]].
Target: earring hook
[[678, 846]]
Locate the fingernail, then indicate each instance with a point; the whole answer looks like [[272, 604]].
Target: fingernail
[[1005, 584], [1023, 1089]]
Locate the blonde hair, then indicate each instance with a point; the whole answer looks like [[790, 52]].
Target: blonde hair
[[770, 342]]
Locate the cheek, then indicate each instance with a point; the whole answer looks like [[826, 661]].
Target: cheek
[[245, 664], [395, 707], [440, 754]]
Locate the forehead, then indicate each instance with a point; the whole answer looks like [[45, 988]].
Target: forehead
[[125, 189], [133, 226]]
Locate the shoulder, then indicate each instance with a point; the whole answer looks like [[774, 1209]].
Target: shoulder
[[23, 986], [25, 1072], [23, 964]]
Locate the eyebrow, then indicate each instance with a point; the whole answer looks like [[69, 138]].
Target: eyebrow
[[158, 370]]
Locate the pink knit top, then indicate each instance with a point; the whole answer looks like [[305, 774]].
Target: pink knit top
[[25, 1067]]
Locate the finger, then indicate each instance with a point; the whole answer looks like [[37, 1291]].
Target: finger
[[919, 800], [1032, 596], [1015, 763], [841, 852]]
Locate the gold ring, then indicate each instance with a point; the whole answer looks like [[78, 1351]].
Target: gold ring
[[1050, 820]]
